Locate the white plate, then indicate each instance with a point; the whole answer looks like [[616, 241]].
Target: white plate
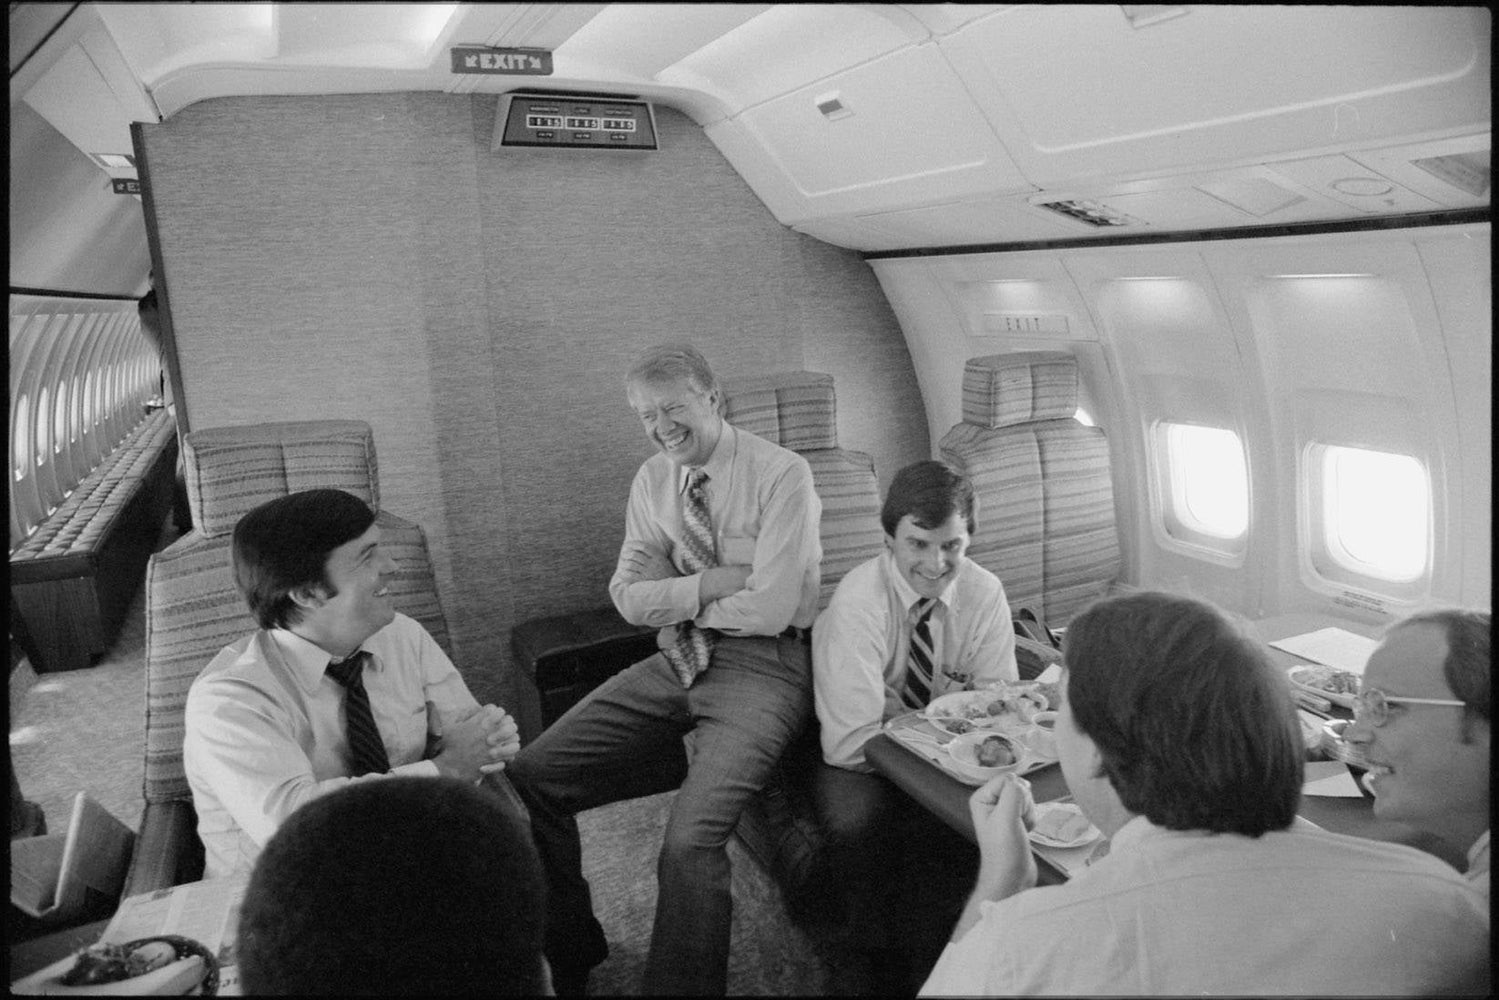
[[959, 712], [1043, 813], [1302, 676]]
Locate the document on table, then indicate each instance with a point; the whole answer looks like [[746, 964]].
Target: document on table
[[1333, 647], [1330, 778]]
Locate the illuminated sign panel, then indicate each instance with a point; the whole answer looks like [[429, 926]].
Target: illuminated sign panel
[[515, 62], [530, 120]]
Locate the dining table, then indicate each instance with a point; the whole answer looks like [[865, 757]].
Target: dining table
[[946, 796]]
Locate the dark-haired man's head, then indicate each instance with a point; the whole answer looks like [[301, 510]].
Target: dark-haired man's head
[[311, 562], [1171, 712], [928, 517], [402, 886]]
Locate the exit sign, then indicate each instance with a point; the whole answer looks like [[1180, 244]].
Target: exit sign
[[518, 62], [126, 185]]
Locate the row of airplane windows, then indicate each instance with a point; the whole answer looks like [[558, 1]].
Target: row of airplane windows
[[82, 378]]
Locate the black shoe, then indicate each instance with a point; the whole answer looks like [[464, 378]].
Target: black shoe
[[570, 968]]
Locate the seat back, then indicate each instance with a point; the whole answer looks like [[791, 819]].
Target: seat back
[[1046, 523], [798, 410], [193, 608]]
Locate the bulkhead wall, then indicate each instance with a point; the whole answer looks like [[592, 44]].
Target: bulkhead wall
[[368, 256]]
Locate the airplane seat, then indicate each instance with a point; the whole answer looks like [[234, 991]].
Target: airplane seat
[[1046, 522], [798, 410], [193, 608]]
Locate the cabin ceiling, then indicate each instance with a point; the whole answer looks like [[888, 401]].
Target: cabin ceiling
[[869, 126]]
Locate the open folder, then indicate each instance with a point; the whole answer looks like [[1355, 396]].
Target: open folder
[[59, 876]]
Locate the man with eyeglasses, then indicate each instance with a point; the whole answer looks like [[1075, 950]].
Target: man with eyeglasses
[[1422, 722], [1178, 742]]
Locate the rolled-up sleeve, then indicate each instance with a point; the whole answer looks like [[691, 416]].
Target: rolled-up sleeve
[[848, 685]]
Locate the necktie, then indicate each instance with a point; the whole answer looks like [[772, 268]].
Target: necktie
[[366, 748], [689, 656], [919, 660]]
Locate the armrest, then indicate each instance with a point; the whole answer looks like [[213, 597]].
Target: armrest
[[167, 849], [1032, 657]]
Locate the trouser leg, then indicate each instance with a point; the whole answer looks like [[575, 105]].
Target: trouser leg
[[624, 740], [747, 707]]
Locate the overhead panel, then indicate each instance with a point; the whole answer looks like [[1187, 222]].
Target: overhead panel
[[898, 130], [1076, 91]]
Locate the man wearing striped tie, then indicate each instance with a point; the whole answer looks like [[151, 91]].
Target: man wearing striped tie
[[915, 622], [721, 552], [335, 687]]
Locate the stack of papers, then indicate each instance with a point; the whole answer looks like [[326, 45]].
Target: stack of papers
[[1332, 647]]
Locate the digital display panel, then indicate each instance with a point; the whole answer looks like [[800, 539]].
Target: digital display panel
[[527, 120]]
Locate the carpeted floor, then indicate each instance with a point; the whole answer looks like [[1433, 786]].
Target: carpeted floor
[[84, 730]]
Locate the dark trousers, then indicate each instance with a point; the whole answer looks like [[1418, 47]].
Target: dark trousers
[[625, 740]]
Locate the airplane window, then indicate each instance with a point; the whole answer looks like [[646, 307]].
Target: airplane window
[[1083, 417], [41, 428], [20, 445], [60, 418], [1209, 485], [1376, 509]]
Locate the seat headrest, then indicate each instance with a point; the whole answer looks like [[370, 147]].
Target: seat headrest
[[232, 470], [1016, 388], [796, 410]]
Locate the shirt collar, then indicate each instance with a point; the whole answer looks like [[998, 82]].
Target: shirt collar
[[718, 463], [306, 660], [1478, 855], [906, 594]]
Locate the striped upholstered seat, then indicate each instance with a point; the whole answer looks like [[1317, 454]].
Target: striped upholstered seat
[[1046, 498], [798, 410], [193, 608]]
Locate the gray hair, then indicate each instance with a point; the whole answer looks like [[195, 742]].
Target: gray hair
[[670, 362]]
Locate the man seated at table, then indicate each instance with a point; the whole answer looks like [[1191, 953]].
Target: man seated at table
[[335, 687], [913, 623], [1178, 740], [1429, 766], [413, 887]]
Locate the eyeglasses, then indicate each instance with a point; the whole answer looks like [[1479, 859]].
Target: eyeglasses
[[1373, 705]]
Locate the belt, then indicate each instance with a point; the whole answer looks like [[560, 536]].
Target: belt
[[797, 632]]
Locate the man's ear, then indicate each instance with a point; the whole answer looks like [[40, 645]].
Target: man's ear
[[889, 543], [309, 596]]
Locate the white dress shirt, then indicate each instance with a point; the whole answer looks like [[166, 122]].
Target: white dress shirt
[[765, 515], [265, 729], [1298, 911], [861, 641]]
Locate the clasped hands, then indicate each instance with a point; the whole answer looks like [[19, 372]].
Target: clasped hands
[[645, 563], [469, 744]]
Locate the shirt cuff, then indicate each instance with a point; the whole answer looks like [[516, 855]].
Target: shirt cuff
[[417, 769]]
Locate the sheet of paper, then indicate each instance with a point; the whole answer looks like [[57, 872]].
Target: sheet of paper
[[1051, 674], [1330, 778], [1333, 647]]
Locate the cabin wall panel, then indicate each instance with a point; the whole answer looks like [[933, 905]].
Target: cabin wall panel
[[370, 257]]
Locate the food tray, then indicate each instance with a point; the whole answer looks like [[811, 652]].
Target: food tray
[[917, 734]]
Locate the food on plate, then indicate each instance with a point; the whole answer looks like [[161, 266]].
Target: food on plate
[[1329, 679], [167, 964], [995, 751], [1005, 704], [1063, 825]]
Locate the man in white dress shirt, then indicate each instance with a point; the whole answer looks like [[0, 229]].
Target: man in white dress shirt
[[862, 677], [1422, 720], [266, 720], [1178, 741]]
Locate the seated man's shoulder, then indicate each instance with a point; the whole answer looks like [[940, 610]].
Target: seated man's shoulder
[[863, 586]]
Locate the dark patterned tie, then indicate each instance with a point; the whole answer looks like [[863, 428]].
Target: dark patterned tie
[[366, 748], [693, 648], [918, 689]]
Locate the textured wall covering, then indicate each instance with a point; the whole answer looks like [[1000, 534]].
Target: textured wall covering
[[369, 257]]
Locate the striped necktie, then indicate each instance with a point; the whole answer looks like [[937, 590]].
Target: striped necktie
[[366, 748], [918, 689], [694, 646]]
